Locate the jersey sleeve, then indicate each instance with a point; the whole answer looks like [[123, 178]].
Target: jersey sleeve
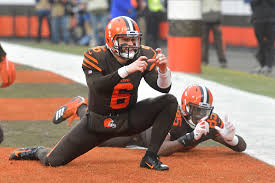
[[179, 127], [93, 67], [151, 73], [91, 63], [214, 120]]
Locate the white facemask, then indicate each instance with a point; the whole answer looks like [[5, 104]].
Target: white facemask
[[126, 55]]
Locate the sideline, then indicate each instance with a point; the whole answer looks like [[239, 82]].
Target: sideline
[[253, 115]]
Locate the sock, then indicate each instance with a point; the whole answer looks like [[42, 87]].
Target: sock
[[81, 110]]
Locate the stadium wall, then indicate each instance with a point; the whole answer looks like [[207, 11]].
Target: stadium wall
[[19, 20]]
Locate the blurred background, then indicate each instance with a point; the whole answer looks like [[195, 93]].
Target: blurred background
[[74, 23]]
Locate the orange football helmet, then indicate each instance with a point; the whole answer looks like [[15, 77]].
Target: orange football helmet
[[123, 27], [196, 103]]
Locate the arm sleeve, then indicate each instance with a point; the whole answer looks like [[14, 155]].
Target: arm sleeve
[[241, 146], [151, 78], [151, 75], [100, 82], [169, 147], [164, 80], [95, 78]]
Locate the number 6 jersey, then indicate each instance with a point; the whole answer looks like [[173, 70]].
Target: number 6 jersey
[[108, 92]]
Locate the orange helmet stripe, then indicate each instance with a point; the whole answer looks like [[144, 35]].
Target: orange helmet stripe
[[129, 23]]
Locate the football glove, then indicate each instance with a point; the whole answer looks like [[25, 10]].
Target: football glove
[[228, 132], [202, 128]]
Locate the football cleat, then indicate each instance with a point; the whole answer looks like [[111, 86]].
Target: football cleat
[[27, 153], [68, 110], [154, 163]]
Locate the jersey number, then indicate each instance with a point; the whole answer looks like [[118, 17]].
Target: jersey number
[[119, 100], [178, 119], [214, 121]]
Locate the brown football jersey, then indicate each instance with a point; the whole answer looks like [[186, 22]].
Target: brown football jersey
[[108, 92], [181, 127]]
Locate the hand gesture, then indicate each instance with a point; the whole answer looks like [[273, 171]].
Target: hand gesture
[[139, 65], [160, 61], [228, 131], [202, 128]]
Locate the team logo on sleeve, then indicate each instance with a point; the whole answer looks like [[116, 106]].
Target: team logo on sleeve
[[109, 123], [90, 71]]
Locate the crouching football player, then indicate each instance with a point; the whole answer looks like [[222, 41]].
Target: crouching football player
[[194, 123], [113, 73]]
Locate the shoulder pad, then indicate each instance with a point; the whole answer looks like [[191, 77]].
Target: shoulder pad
[[91, 58]]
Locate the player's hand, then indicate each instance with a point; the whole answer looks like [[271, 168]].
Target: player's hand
[[160, 61], [202, 128], [228, 131], [139, 65]]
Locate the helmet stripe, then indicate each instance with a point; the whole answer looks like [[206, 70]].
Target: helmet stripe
[[207, 91], [204, 94], [129, 23], [134, 28]]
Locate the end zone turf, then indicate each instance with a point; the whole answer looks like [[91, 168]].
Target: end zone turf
[[204, 164]]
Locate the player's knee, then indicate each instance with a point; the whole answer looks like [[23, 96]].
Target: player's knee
[[49, 159], [55, 162], [172, 104], [171, 99]]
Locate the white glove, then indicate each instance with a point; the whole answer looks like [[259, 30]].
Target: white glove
[[201, 128], [228, 132]]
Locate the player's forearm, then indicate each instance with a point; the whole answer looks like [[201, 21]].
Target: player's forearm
[[241, 145], [103, 83], [170, 147], [164, 79], [152, 80]]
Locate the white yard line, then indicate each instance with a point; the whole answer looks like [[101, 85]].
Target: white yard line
[[253, 115]]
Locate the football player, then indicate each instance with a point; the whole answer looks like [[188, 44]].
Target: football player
[[7, 69], [194, 123], [7, 77], [113, 74]]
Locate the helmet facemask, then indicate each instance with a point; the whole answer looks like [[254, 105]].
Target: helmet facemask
[[123, 49], [197, 112]]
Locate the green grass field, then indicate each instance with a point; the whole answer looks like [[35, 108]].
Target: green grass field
[[30, 133]]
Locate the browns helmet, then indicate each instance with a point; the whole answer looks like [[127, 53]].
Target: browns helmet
[[196, 103], [123, 27]]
